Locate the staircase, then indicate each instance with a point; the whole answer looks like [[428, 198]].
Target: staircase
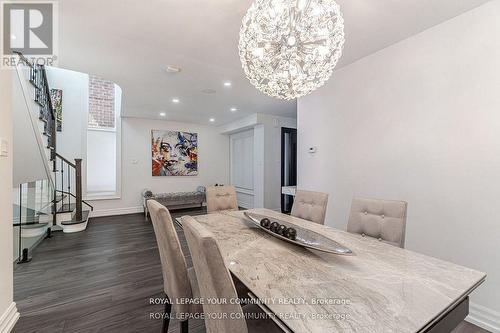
[[53, 200]]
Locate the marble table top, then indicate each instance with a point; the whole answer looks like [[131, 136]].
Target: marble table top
[[382, 288]]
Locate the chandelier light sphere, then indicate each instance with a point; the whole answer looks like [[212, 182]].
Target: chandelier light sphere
[[289, 48]]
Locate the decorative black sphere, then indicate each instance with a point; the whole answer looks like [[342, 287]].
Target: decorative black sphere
[[281, 230], [274, 226], [265, 222], [291, 233]]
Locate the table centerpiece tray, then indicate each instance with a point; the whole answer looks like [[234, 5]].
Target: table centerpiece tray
[[297, 235]]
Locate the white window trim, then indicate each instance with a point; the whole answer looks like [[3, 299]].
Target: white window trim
[[96, 196]]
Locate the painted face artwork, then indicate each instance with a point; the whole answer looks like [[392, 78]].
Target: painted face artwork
[[174, 153]]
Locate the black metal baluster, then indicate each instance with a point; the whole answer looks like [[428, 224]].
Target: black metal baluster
[[69, 184], [62, 181]]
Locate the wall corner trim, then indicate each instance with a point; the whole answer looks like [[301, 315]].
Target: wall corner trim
[[484, 317], [9, 318]]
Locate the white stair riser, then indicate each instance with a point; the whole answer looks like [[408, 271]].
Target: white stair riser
[[68, 229], [63, 217], [60, 204], [33, 232], [41, 126], [45, 218], [47, 153]]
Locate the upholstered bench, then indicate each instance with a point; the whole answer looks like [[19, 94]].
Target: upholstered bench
[[176, 200]]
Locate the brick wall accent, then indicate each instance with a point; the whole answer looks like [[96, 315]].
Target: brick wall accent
[[101, 103]]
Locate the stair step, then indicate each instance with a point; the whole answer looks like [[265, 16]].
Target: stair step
[[29, 216], [35, 230], [73, 221], [66, 208], [60, 197], [34, 226], [26, 221], [41, 125], [26, 210]]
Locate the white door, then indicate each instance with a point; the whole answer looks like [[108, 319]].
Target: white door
[[242, 167]]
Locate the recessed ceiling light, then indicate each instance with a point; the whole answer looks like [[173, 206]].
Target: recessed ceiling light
[[208, 91], [13, 37], [163, 114], [227, 84], [234, 109], [212, 120], [175, 100], [173, 69]]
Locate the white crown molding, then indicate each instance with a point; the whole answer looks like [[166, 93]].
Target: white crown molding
[[9, 318], [117, 211], [484, 317]]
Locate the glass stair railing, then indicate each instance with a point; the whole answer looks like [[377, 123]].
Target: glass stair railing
[[33, 178], [33, 216], [47, 186]]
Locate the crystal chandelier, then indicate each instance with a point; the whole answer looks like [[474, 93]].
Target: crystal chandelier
[[288, 48]]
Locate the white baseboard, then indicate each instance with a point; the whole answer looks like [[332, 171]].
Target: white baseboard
[[484, 317], [117, 211], [9, 318]]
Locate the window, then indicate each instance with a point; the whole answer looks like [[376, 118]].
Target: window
[[103, 139]]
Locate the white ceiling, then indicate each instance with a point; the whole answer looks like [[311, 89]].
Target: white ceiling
[[131, 42]]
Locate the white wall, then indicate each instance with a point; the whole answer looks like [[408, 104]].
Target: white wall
[[213, 159], [267, 155], [272, 157], [418, 121], [8, 312], [71, 142], [28, 160]]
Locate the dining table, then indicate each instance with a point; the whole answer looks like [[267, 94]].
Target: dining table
[[379, 288]]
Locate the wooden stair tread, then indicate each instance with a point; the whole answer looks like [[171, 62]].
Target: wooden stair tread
[[34, 226], [85, 216]]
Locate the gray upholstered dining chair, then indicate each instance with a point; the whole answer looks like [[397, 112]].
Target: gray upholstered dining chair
[[381, 219], [310, 206], [221, 198], [215, 282], [179, 282]]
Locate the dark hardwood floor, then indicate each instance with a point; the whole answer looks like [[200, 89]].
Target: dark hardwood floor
[[100, 280]]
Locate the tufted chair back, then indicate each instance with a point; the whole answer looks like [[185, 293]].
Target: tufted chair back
[[214, 280], [221, 198], [176, 283], [310, 206], [381, 219]]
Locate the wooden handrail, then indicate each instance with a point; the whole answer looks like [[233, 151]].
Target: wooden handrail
[[66, 161], [24, 59], [49, 98]]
